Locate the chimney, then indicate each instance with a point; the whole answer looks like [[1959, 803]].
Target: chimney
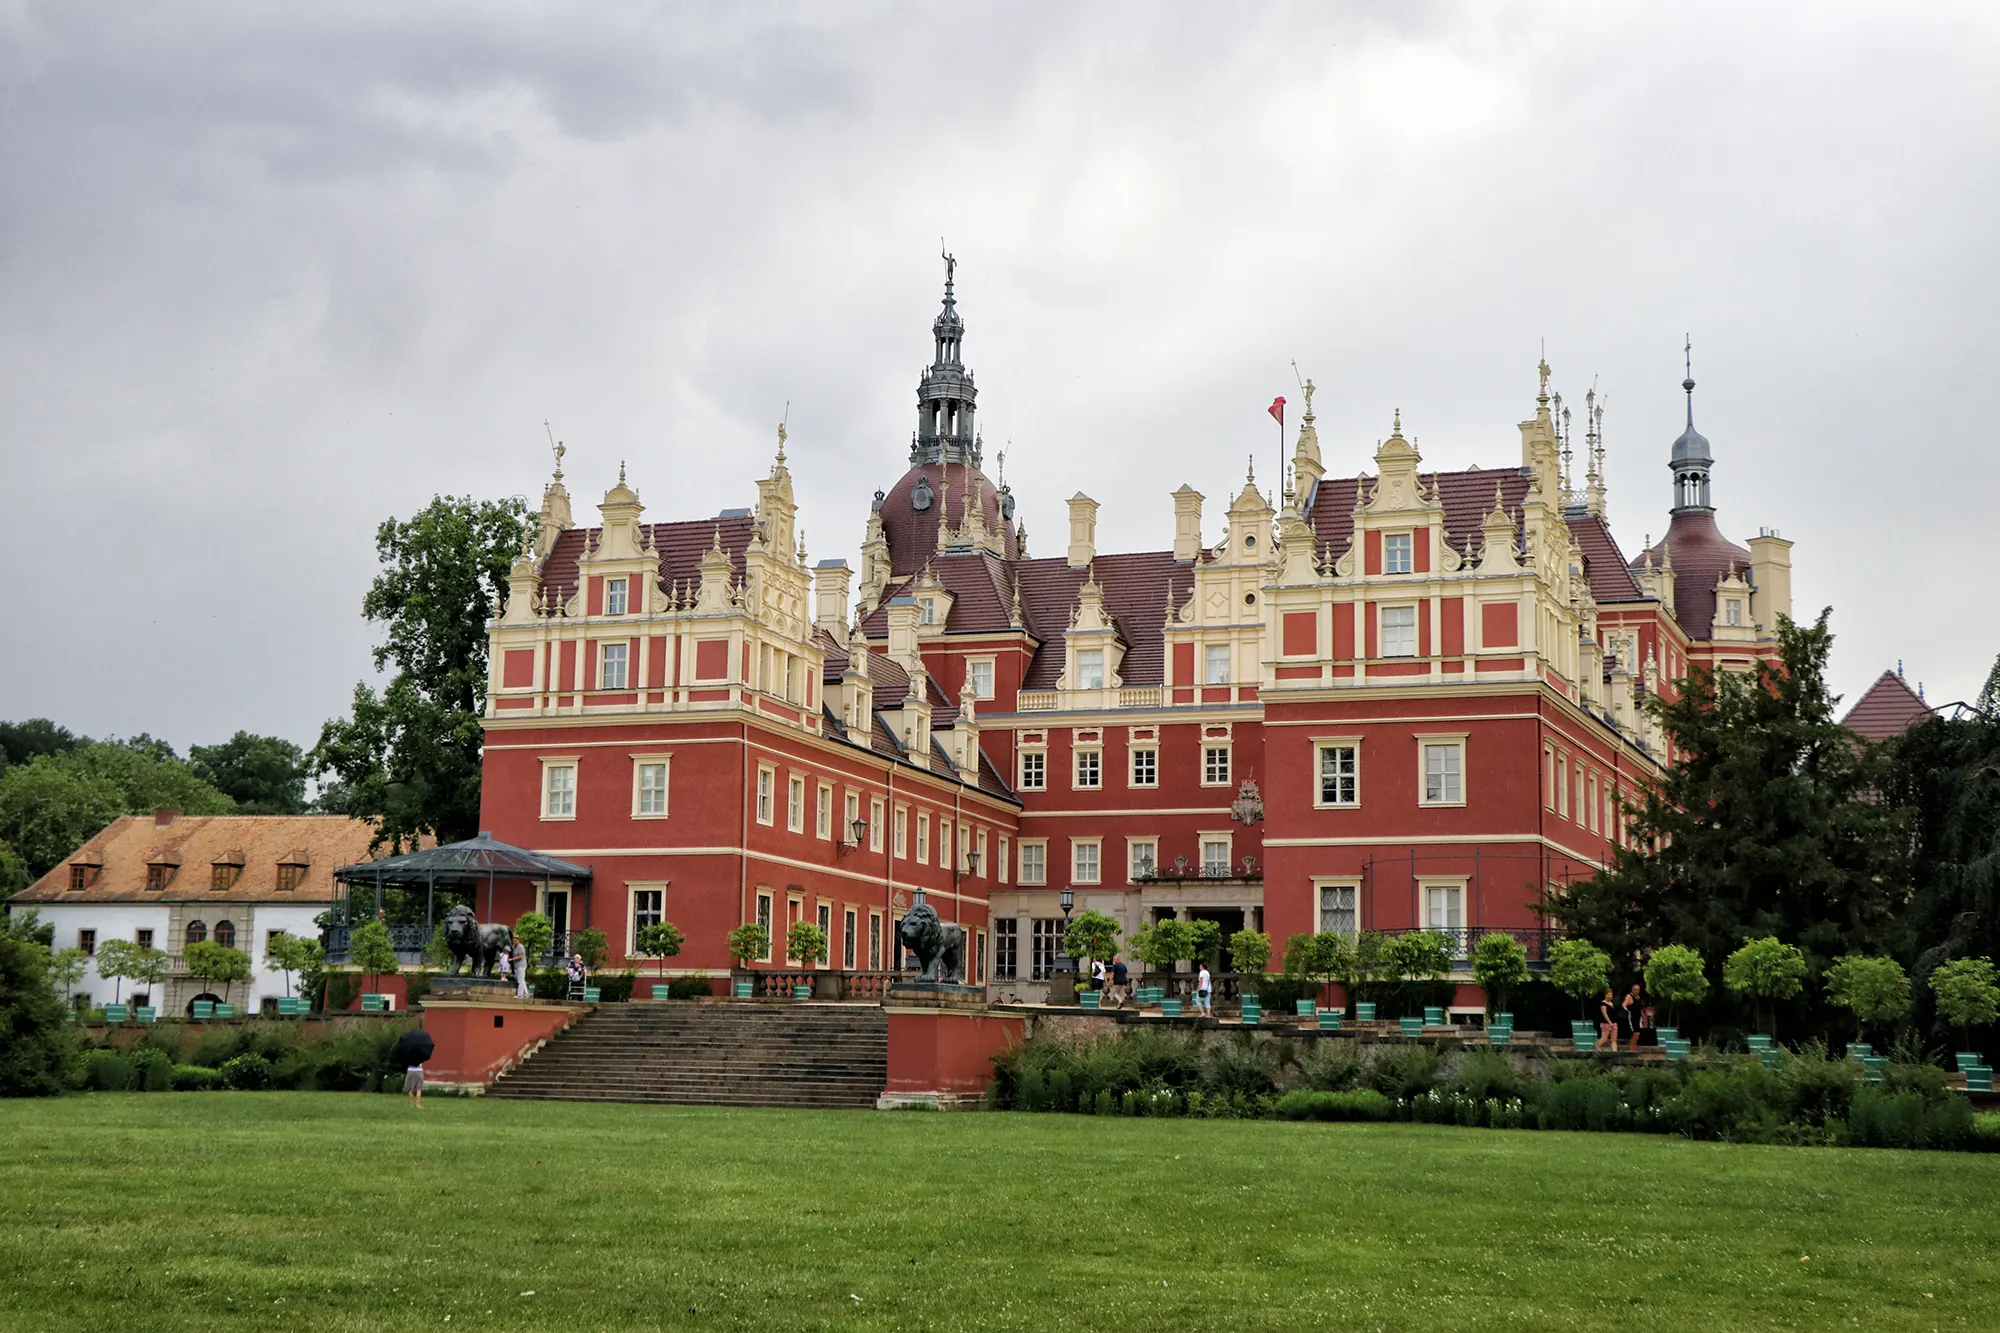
[[165, 815], [1187, 523], [1082, 530], [831, 582], [1771, 578]]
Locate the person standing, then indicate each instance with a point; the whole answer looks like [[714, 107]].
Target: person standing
[[1119, 974], [1607, 1021], [1202, 982], [519, 953], [1097, 974], [1634, 1014], [413, 1084]]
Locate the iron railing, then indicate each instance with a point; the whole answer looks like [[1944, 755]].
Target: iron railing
[[1535, 939]]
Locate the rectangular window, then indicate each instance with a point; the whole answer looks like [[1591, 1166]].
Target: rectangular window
[[767, 779], [795, 804], [928, 611], [875, 824], [1215, 766], [144, 938], [764, 919], [1090, 669], [944, 843], [79, 878], [852, 806], [157, 877], [1442, 907], [981, 674], [648, 909], [559, 791], [1145, 768], [651, 801], [289, 877], [1732, 611], [1034, 863], [1339, 775], [923, 837], [1144, 858], [86, 940], [1548, 777], [1339, 910], [1582, 809], [1562, 785], [1215, 664], [1396, 553], [1399, 631], [1443, 773], [1001, 865], [614, 597], [1048, 936], [611, 665], [979, 972], [219, 878], [1006, 948], [1034, 770], [823, 811], [1214, 858], [1089, 769], [1084, 861], [825, 924], [1595, 806], [874, 941], [848, 931], [902, 832]]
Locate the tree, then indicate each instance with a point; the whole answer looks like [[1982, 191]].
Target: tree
[[370, 950], [264, 775], [1092, 935], [23, 741], [55, 803], [1204, 940], [1579, 968], [115, 960], [148, 968], [37, 1051], [749, 942], [294, 953], [1164, 943], [14, 874], [661, 940], [1943, 770], [1875, 990], [1499, 963], [1359, 966], [1250, 951], [1966, 995], [1418, 955], [218, 964], [537, 935], [1770, 822], [407, 759], [592, 946], [1765, 971], [1676, 974], [437, 953], [804, 942], [66, 968]]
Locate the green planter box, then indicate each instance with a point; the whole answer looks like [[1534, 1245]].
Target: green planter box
[[1171, 1008], [802, 992], [1089, 999], [1329, 1020], [662, 989], [1502, 1020], [1500, 1036], [1413, 1027], [743, 989], [1583, 1044], [202, 1009], [225, 1011], [1252, 1014], [1306, 1008], [114, 1013], [1364, 1013], [593, 994], [146, 1014], [1433, 1018]]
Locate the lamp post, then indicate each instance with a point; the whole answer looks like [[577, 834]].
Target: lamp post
[[1062, 980]]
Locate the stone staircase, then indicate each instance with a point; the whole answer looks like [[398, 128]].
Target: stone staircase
[[736, 1053]]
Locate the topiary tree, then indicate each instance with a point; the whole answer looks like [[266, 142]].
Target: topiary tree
[[593, 946], [66, 968], [537, 935], [149, 968], [1164, 943], [1765, 971], [1579, 968], [294, 953], [1418, 955], [1967, 996], [1499, 963], [749, 942], [1092, 935], [1250, 951], [218, 964], [805, 941], [114, 963], [661, 940], [1358, 964], [371, 951], [1676, 974], [1204, 941], [1876, 990]]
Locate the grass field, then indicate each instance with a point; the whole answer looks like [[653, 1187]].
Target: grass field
[[338, 1212]]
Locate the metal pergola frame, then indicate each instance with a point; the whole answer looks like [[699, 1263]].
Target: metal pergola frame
[[462, 863]]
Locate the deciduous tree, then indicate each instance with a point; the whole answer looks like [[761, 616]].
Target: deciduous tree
[[1676, 974], [264, 775], [1765, 971], [1875, 990], [1499, 963]]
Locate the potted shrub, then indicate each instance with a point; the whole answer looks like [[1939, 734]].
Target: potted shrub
[[369, 949], [1579, 968], [1677, 975], [661, 940], [1764, 972], [804, 942], [747, 943], [1874, 990], [210, 963], [1499, 963], [1966, 995], [1092, 935], [1249, 952]]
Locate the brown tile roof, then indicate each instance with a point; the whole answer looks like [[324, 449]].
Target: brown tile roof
[[195, 843], [1702, 555], [912, 533], [1467, 497], [1889, 708], [1610, 574], [1136, 587], [682, 546]]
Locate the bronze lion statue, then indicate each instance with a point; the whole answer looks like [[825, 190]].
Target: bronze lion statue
[[939, 947], [469, 941]]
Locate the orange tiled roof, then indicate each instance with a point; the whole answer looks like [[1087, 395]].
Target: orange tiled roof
[[194, 844], [1889, 708]]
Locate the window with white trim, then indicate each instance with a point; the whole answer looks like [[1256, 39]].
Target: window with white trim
[[611, 662], [649, 798], [823, 811], [1596, 808], [1340, 909], [1396, 548], [1034, 770], [764, 919], [1034, 861], [852, 813], [824, 920], [1089, 770], [944, 843], [927, 614], [1399, 631], [980, 672], [767, 781], [923, 837], [1339, 774], [1006, 948], [1090, 669], [874, 941], [848, 930], [1444, 907], [1145, 767], [1215, 766], [1142, 858], [1562, 785], [795, 804], [648, 909], [902, 832], [1215, 858], [1215, 664], [1444, 772], [1085, 860], [874, 823], [1047, 939], [1000, 862], [559, 791], [614, 597]]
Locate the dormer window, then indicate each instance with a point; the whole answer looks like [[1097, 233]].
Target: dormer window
[[614, 597], [1215, 664], [928, 614], [290, 876], [221, 877], [1396, 553], [79, 878], [1090, 669], [1732, 611], [158, 877]]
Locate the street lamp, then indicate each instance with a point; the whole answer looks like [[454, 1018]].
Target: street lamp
[[1067, 898]]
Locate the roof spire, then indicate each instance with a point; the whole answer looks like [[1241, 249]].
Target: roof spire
[[1691, 458]]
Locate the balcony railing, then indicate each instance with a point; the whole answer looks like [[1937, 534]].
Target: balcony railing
[[1535, 939], [1183, 871], [409, 942]]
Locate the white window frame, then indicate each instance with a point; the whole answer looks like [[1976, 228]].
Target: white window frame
[[850, 810], [1228, 846], [1209, 749], [1090, 668], [823, 918], [875, 823], [1562, 783], [640, 764], [923, 837], [1151, 754], [1133, 848], [850, 931], [1034, 776], [1215, 663], [823, 812], [974, 669], [633, 894], [1454, 741], [1034, 853], [1082, 850], [605, 650], [1095, 754], [766, 915], [1407, 549], [902, 831], [795, 803], [767, 795], [1320, 918], [551, 765], [1454, 894], [615, 599], [1404, 647], [1004, 850], [927, 611], [1322, 746], [944, 843]]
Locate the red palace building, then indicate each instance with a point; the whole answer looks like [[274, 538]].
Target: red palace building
[[1399, 699]]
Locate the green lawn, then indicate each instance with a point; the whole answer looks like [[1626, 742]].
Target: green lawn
[[336, 1212]]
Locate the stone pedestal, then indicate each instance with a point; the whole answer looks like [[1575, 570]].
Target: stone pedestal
[[482, 1036], [471, 988], [942, 1040]]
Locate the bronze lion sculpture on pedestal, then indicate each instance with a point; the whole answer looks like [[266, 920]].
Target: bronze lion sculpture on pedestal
[[939, 947], [468, 940]]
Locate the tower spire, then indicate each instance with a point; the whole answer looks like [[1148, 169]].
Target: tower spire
[[945, 395], [1691, 460]]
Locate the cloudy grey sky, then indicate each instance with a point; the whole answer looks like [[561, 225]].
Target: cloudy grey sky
[[269, 274]]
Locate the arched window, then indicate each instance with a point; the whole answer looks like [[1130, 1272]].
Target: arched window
[[225, 934], [196, 932]]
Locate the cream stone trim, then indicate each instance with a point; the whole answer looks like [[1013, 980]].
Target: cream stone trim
[[1323, 743], [574, 763], [643, 760], [1457, 738]]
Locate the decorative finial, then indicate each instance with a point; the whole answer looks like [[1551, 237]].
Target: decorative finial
[[556, 447], [1253, 470], [1543, 370], [781, 441], [1308, 390], [621, 472], [1396, 427], [1687, 385], [950, 266]]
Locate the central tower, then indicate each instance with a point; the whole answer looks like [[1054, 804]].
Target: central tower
[[945, 395]]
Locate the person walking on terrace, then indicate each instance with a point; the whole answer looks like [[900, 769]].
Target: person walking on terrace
[[1119, 974], [1202, 982], [1634, 1014], [1607, 1021], [519, 953]]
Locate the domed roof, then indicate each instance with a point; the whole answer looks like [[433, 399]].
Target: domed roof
[[928, 492], [1701, 556]]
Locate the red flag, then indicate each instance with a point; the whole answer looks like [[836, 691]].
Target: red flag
[[1277, 410]]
